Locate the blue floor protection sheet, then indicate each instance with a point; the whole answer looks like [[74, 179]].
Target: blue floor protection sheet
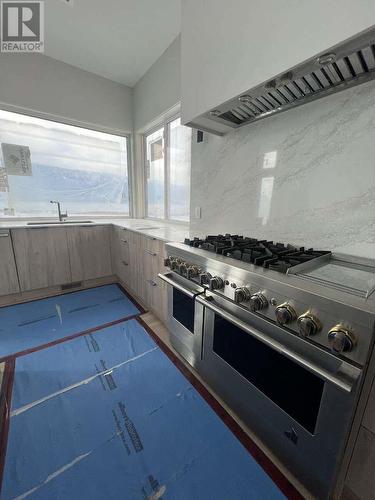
[[108, 416], [29, 325]]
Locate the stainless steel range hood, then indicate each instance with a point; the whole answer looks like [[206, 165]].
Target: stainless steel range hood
[[350, 63]]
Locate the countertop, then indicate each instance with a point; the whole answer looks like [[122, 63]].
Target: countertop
[[162, 230]]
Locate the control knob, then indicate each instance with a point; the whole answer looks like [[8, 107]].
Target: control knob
[[175, 264], [182, 268], [308, 325], [167, 261], [285, 314], [341, 339], [258, 302], [192, 271], [204, 278], [241, 294], [216, 283]]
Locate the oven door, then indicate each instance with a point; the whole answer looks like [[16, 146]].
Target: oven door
[[185, 319], [298, 399]]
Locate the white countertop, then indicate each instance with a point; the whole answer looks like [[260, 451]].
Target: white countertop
[[162, 230]]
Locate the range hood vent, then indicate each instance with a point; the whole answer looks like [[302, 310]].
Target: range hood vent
[[343, 66]]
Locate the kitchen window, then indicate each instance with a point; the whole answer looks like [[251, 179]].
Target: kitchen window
[[43, 160], [168, 159]]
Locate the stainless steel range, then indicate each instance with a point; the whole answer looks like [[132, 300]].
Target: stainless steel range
[[283, 334]]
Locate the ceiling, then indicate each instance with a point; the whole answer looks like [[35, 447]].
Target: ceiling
[[117, 39]]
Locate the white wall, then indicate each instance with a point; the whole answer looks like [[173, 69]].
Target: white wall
[[53, 89], [159, 89]]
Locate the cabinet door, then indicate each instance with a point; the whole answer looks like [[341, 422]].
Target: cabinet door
[[42, 257], [155, 292], [89, 251], [8, 272], [158, 299]]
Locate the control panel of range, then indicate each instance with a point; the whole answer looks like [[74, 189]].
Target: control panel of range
[[298, 318]]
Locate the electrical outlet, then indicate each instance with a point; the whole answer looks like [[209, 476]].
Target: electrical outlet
[[197, 213]]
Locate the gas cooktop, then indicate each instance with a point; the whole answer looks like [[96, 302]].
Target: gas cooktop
[[276, 256]]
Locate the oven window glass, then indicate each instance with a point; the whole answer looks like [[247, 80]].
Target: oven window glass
[[297, 391], [183, 309]]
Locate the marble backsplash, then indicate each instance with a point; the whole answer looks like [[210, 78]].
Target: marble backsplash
[[306, 176]]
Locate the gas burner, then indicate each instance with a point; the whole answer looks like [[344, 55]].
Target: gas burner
[[275, 256]]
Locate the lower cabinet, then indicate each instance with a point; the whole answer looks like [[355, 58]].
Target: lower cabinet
[[121, 265], [137, 260], [153, 291], [8, 271], [42, 257], [89, 252], [46, 257], [157, 295]]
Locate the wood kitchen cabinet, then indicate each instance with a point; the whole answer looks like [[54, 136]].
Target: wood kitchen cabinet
[[148, 258], [137, 260], [121, 256], [152, 288], [8, 272], [225, 51], [89, 252], [42, 257]]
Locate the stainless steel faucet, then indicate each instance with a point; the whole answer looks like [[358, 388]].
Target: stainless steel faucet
[[62, 215]]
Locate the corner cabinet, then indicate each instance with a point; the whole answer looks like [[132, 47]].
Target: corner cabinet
[[42, 257], [8, 271], [229, 48], [39, 258]]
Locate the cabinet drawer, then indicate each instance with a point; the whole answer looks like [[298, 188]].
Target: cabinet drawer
[[124, 271], [154, 246], [129, 236], [123, 235], [156, 297]]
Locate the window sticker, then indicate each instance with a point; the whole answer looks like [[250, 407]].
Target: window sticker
[[3, 180], [17, 159]]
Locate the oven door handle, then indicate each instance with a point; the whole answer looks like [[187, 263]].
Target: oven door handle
[[168, 279], [350, 373]]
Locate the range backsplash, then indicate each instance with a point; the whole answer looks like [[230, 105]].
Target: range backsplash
[[306, 176]]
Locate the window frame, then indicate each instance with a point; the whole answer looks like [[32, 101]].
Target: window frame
[[163, 124], [76, 123]]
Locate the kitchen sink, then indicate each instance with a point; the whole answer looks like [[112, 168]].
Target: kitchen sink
[[47, 223]]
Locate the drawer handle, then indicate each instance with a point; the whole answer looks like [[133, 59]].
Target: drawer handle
[[124, 263], [4, 235], [151, 253], [152, 283], [124, 241]]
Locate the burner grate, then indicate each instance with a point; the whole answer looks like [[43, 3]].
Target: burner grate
[[276, 256]]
